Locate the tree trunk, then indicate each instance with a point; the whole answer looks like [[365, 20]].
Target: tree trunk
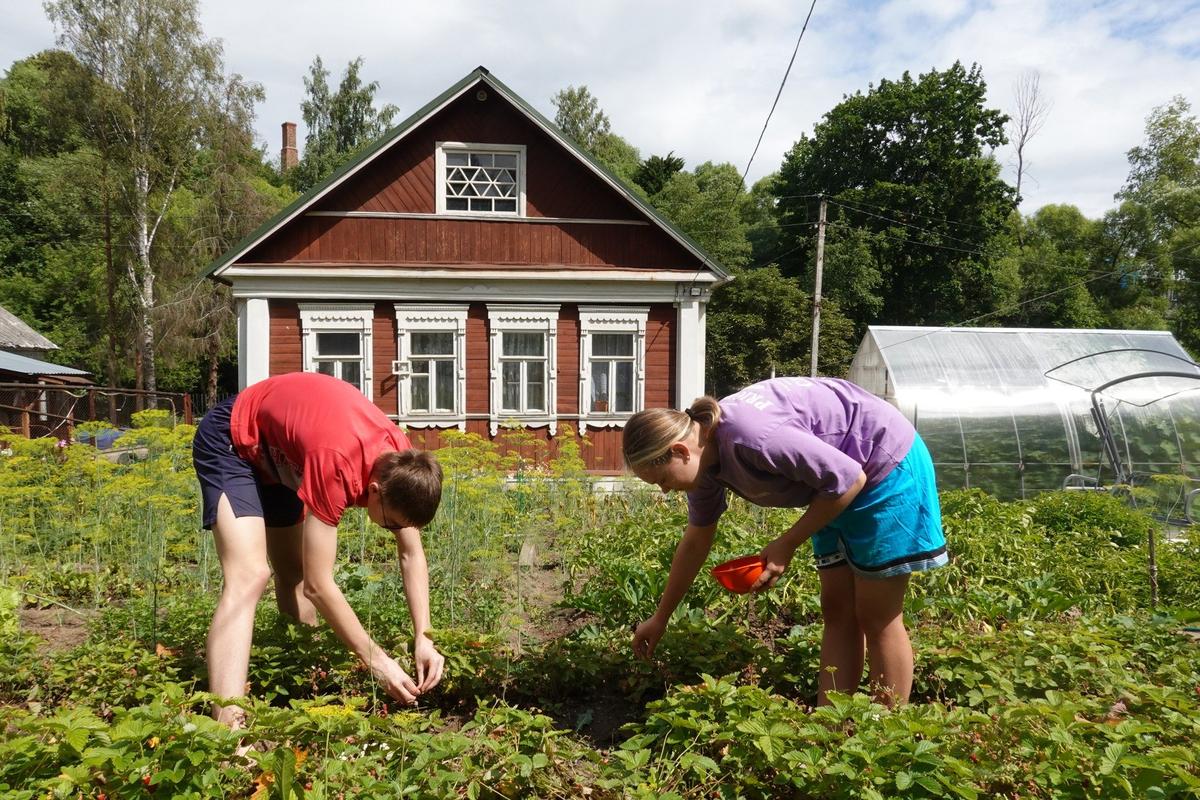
[[142, 276], [109, 276], [214, 354]]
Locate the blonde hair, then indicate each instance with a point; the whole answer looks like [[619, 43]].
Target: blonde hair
[[410, 481], [649, 434]]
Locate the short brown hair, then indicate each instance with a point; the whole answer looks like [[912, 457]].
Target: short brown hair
[[649, 434], [410, 481]]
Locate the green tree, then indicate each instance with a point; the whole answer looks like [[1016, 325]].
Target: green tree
[[761, 217], [655, 171], [158, 72], [339, 123], [229, 193], [1056, 263], [51, 272], [1184, 260], [1164, 171], [909, 162], [760, 325], [707, 206], [579, 116], [1158, 223]]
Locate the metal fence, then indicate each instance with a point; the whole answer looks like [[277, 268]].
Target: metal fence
[[35, 410]]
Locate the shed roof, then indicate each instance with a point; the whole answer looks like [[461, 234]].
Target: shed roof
[[16, 334], [11, 362]]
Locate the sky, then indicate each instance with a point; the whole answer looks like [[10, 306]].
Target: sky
[[697, 77]]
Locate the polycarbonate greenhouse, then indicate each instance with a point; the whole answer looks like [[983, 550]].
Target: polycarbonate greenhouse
[[1010, 410]]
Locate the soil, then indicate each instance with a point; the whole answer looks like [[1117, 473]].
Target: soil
[[59, 629], [597, 719], [541, 585]]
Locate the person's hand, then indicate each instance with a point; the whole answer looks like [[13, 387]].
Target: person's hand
[[394, 680], [646, 636], [775, 557], [429, 663]]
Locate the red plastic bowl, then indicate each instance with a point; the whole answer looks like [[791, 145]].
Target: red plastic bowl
[[739, 574]]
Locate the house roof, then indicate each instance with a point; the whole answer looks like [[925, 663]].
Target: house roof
[[368, 154], [16, 334], [11, 362]]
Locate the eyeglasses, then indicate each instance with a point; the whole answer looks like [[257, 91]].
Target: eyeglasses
[[387, 522]]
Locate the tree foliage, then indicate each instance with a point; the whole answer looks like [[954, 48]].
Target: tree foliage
[[51, 272], [579, 116], [909, 162], [760, 325], [339, 122], [707, 205]]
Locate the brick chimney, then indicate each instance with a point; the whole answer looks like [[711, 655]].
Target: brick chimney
[[289, 157]]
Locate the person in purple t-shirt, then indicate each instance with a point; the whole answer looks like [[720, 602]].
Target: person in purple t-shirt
[[872, 508]]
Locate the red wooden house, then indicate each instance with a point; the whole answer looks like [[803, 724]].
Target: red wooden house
[[474, 269]]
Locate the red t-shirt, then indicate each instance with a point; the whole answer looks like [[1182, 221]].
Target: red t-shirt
[[315, 434]]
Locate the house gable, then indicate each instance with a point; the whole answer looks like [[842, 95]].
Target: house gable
[[381, 209]]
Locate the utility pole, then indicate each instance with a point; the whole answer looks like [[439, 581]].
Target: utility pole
[[816, 303]]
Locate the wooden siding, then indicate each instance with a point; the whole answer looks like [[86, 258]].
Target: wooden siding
[[567, 398], [354, 241], [287, 347], [557, 184], [401, 180], [661, 359], [383, 353], [479, 366], [601, 448]]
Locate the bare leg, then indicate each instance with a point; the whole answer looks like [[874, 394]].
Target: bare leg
[[241, 547], [842, 641], [284, 549], [880, 608]]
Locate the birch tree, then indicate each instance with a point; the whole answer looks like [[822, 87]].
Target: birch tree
[[159, 73]]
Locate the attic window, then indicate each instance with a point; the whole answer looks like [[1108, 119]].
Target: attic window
[[483, 179]]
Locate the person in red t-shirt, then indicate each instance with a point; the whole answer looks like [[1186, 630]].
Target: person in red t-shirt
[[278, 464]]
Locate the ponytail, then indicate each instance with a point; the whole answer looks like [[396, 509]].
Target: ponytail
[[649, 434]]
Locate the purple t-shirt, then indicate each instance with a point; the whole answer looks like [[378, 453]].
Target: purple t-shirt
[[784, 441]]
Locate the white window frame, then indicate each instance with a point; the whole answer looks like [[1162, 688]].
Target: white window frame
[[611, 319], [504, 318], [440, 175], [438, 318], [339, 318]]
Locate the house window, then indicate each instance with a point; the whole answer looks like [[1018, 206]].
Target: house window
[[431, 370], [484, 179], [612, 372], [523, 372], [337, 341], [524, 364]]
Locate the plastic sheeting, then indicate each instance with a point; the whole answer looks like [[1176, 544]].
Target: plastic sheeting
[[992, 419]]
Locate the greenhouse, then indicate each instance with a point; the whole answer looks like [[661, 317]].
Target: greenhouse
[[1014, 411]]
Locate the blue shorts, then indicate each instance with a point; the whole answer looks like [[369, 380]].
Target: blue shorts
[[223, 472], [893, 528]]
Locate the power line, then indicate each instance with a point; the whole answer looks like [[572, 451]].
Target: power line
[[933, 217], [901, 222], [782, 83], [1012, 307]]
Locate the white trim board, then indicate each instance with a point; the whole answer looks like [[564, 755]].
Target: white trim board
[[459, 217], [516, 290]]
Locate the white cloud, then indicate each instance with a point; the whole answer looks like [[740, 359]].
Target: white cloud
[[699, 77]]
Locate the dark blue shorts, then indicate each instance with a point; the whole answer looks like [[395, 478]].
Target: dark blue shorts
[[222, 471]]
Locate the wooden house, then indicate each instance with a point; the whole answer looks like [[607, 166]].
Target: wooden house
[[475, 269]]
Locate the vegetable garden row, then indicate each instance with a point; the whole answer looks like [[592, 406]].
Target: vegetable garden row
[[1040, 670]]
